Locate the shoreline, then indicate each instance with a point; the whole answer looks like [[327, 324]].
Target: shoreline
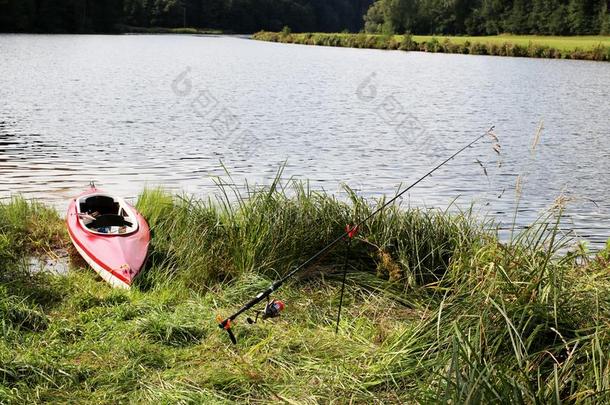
[[537, 47], [426, 291], [130, 30]]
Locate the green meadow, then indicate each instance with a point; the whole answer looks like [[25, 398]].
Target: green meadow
[[437, 308], [557, 42]]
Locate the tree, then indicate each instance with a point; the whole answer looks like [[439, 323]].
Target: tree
[[492, 12], [577, 18], [604, 19], [558, 24], [374, 18], [17, 15], [517, 21], [381, 16]]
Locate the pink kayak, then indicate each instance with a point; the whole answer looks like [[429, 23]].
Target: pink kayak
[[110, 235]]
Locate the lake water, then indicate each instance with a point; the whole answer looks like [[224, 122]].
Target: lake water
[[136, 111]]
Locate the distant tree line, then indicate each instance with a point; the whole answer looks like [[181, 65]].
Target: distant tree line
[[489, 17], [473, 17], [76, 16]]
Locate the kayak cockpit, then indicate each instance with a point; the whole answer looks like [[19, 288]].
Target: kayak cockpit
[[104, 214]]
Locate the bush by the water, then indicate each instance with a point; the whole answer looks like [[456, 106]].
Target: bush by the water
[[437, 308]]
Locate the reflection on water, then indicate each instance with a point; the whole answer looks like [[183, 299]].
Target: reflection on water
[[136, 111]]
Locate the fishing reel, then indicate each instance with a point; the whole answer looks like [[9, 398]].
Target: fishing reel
[[273, 309]]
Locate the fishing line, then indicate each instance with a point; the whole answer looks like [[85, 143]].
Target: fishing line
[[349, 233]]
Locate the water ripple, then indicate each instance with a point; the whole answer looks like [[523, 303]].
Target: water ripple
[[82, 108]]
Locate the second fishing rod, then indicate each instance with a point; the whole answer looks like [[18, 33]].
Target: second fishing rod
[[350, 232]]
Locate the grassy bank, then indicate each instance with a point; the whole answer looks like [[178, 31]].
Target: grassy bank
[[437, 309], [127, 29], [585, 47]]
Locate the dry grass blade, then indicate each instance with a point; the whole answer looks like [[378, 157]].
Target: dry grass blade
[[560, 203], [482, 166], [493, 135], [519, 186], [537, 136]]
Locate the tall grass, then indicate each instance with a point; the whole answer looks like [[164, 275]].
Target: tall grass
[[511, 327], [29, 227], [269, 231], [437, 309]]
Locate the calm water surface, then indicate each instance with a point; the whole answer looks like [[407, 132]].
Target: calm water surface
[[136, 111]]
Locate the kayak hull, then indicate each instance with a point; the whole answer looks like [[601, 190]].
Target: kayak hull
[[117, 258]]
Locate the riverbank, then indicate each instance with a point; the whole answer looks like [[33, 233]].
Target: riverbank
[[127, 29], [436, 307], [585, 48]]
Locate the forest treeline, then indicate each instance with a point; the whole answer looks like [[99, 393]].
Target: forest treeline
[[489, 17], [455, 17], [240, 16]]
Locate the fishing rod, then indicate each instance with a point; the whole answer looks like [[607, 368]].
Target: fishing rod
[[273, 308]]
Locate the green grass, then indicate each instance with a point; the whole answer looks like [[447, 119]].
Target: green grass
[[557, 42], [436, 310], [578, 47]]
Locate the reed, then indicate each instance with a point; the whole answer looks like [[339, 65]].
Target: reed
[[268, 231], [437, 309]]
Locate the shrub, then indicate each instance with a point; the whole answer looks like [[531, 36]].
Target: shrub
[[432, 45], [407, 43], [450, 47], [537, 51], [478, 48]]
